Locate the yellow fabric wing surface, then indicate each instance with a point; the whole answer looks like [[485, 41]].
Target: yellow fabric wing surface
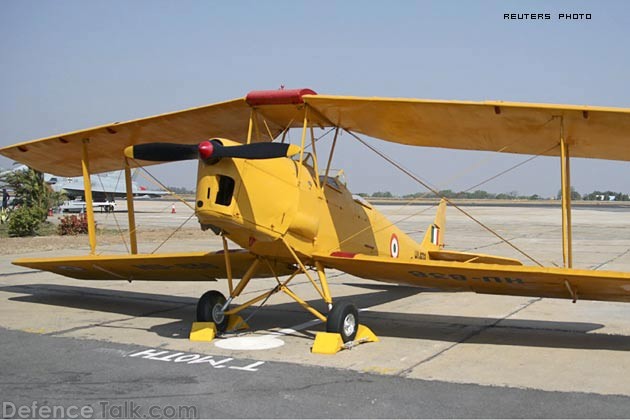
[[172, 267], [510, 127], [489, 278], [61, 154], [594, 132]]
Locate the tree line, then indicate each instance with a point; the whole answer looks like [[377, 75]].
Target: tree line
[[512, 195]]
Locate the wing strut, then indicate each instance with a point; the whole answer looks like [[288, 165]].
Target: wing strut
[[87, 186], [303, 142], [131, 215], [315, 166], [228, 265], [252, 115], [565, 173], [330, 157]]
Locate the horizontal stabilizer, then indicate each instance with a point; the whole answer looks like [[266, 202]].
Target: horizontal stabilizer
[[468, 257]]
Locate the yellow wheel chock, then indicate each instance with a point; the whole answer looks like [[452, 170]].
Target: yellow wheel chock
[[203, 331], [207, 331], [236, 323], [332, 343], [327, 343]]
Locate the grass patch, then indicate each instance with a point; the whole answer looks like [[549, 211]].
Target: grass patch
[[45, 229]]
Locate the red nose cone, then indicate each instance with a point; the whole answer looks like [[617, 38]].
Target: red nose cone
[[206, 148]]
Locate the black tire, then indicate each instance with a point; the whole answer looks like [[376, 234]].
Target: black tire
[[343, 319], [209, 310]]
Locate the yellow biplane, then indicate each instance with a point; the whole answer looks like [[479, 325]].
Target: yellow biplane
[[269, 196]]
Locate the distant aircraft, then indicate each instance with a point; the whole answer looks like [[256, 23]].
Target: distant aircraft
[[105, 187]]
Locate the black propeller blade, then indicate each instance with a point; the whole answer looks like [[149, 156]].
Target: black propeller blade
[[213, 149], [162, 152]]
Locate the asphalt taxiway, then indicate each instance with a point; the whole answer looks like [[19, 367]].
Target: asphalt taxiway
[[440, 354]]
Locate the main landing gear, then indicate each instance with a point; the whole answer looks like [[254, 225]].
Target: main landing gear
[[210, 309], [342, 321]]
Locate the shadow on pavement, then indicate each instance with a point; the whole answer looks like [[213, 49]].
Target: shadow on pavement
[[450, 328]]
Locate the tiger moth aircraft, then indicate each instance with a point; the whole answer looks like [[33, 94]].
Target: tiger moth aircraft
[[268, 196]]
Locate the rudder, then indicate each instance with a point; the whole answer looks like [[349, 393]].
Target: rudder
[[434, 237]]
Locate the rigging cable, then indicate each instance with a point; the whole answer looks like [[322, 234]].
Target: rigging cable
[[122, 236], [180, 198], [434, 191], [173, 233]]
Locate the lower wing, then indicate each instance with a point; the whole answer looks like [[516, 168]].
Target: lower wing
[[500, 279], [189, 266]]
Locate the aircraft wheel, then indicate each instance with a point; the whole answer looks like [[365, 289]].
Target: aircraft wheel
[[343, 319], [209, 309]]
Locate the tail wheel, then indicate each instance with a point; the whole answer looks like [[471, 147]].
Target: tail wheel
[[210, 309], [343, 319]]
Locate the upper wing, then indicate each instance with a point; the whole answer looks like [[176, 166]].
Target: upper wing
[[489, 278], [191, 266], [61, 154], [510, 127], [594, 132]]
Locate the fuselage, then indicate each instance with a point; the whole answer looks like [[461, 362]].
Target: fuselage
[[265, 205]]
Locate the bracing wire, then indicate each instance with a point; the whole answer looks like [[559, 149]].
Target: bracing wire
[[177, 196], [120, 232], [320, 137], [173, 233], [164, 187], [511, 168], [390, 223], [436, 192]]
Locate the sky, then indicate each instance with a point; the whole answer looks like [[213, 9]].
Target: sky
[[68, 65]]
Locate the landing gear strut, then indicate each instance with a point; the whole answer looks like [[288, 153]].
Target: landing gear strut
[[342, 323]]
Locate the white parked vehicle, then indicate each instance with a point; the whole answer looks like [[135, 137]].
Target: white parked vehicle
[[78, 206]]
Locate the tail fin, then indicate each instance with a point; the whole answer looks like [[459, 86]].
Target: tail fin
[[434, 238]]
